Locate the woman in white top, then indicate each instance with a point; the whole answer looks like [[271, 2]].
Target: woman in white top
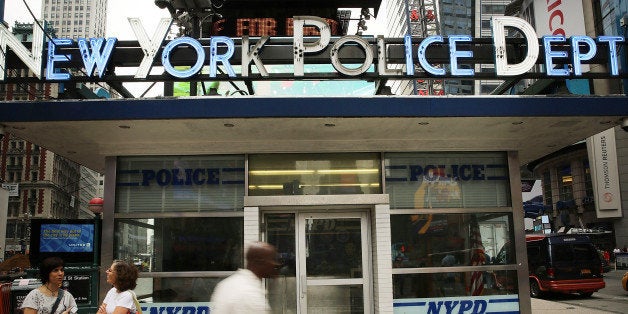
[[42, 299], [120, 299]]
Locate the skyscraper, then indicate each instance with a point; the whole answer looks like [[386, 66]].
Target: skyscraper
[[76, 18], [423, 18]]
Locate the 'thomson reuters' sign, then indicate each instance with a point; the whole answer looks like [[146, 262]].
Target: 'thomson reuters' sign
[[96, 52]]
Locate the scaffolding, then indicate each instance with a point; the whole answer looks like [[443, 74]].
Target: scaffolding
[[423, 22]]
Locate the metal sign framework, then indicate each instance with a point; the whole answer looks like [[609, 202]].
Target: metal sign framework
[[433, 58]]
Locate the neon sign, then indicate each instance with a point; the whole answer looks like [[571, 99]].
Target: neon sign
[[96, 52]]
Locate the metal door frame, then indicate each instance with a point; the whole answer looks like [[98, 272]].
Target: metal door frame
[[365, 280]]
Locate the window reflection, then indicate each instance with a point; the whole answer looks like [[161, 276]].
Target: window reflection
[[181, 244], [453, 284], [435, 240]]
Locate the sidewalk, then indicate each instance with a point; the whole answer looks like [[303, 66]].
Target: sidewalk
[[542, 306]]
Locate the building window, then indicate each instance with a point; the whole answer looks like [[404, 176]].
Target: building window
[[180, 184], [314, 174], [565, 183], [547, 188], [446, 180], [211, 196], [588, 183], [448, 240]]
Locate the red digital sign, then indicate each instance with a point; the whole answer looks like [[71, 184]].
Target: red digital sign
[[267, 27]]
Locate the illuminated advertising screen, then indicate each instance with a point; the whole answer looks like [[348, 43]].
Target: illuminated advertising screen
[[66, 238], [72, 240]]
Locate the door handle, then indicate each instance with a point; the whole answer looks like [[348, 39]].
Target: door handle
[[303, 286]]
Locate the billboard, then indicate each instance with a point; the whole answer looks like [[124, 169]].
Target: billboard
[[605, 174]]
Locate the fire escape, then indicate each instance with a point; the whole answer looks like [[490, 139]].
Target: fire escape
[[423, 18]]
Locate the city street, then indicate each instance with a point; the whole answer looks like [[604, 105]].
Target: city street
[[612, 299]]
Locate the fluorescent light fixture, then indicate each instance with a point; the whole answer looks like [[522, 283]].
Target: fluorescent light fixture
[[265, 187], [348, 171], [279, 187], [279, 172]]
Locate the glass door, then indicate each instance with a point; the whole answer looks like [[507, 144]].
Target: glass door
[[328, 269], [333, 267]]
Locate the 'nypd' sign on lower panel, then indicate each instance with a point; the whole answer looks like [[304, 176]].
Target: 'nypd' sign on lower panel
[[179, 308], [475, 305]]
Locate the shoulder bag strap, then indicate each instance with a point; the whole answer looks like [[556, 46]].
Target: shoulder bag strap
[[56, 305], [138, 308]]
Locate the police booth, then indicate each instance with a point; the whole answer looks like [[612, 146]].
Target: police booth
[[377, 204]]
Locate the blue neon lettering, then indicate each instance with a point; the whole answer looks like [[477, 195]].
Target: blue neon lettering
[[578, 57], [96, 57], [200, 57], [612, 51], [407, 43], [54, 58], [454, 54], [214, 57], [423, 59], [550, 55]]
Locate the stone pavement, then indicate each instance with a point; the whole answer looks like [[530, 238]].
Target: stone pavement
[[541, 306]]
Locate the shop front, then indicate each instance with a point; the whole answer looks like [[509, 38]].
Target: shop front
[[356, 232]]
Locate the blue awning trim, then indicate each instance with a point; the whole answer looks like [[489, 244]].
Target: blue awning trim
[[304, 107]]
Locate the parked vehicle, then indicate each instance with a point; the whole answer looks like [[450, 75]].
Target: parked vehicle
[[563, 263], [624, 281]]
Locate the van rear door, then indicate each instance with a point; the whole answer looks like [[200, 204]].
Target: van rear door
[[575, 261]]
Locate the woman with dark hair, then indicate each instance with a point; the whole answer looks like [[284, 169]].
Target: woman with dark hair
[[50, 298], [120, 299]]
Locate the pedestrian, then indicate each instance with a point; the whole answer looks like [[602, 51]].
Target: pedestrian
[[49, 297], [121, 299], [242, 292]]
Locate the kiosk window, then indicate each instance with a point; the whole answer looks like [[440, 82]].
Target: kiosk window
[[430, 240], [434, 242], [180, 184], [314, 174], [447, 180], [181, 244]]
